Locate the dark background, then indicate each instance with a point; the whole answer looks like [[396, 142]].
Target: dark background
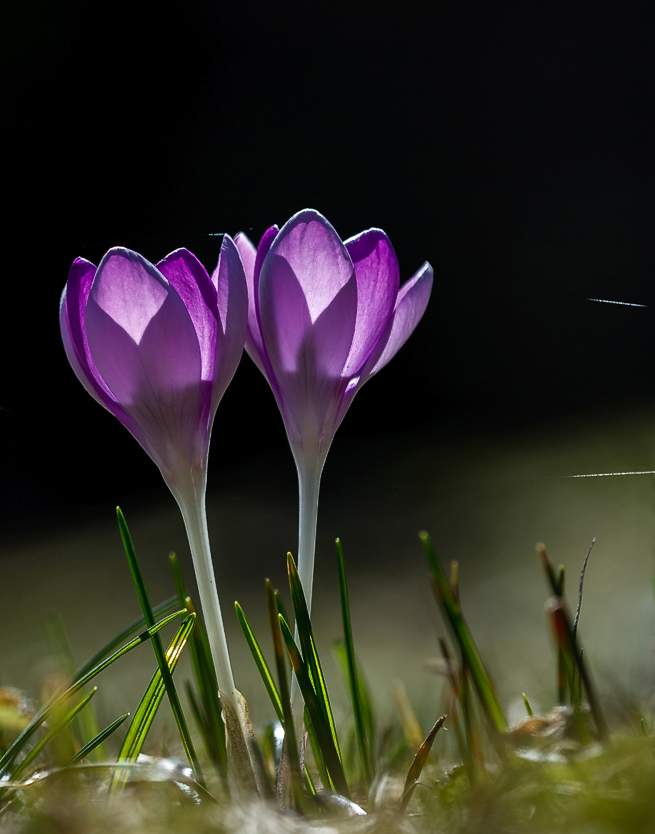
[[511, 146]]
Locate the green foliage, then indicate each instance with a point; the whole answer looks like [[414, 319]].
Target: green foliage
[[152, 698], [360, 703], [452, 612], [57, 701]]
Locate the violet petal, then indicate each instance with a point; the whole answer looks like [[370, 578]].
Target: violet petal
[[190, 280], [378, 278], [412, 300], [232, 294], [146, 349]]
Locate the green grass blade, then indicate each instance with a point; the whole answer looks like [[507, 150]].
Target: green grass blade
[[481, 680], [280, 607], [208, 688], [157, 646], [108, 648], [309, 650], [60, 724], [98, 740], [312, 702], [365, 699], [41, 716], [417, 765], [152, 698], [260, 661], [213, 728], [363, 742], [284, 696], [316, 751]]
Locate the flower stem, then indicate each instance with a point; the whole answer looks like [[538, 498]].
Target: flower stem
[[309, 482], [191, 499]]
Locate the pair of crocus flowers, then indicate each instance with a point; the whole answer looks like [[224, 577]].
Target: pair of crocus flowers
[[158, 345]]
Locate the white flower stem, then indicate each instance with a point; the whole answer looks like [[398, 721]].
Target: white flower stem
[[309, 481], [191, 499]]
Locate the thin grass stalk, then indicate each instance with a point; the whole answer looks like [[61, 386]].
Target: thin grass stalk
[[309, 651], [158, 648], [556, 608], [316, 712], [462, 635], [102, 736], [151, 700], [362, 741], [284, 695], [108, 648]]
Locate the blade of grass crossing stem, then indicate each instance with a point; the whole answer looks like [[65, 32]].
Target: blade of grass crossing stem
[[417, 765], [86, 722], [309, 651], [149, 617], [52, 705], [285, 702], [60, 724], [358, 711], [152, 698], [443, 591], [309, 784], [162, 608], [314, 707], [208, 687], [98, 740], [212, 727], [260, 660]]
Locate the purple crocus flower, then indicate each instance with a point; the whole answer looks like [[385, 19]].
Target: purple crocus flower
[[157, 346], [324, 316]]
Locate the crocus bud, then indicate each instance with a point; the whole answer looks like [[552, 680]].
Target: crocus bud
[[157, 346], [324, 316]]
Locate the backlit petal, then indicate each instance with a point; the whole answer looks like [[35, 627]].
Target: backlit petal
[[232, 293], [146, 349], [378, 278], [190, 280], [412, 300]]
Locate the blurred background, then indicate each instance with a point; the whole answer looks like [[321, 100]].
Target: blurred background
[[509, 145]]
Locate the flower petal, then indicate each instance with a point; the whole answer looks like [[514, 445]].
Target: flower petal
[[284, 314], [190, 280], [412, 300], [146, 349], [378, 278], [252, 261], [306, 357], [232, 293], [71, 320], [316, 256]]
